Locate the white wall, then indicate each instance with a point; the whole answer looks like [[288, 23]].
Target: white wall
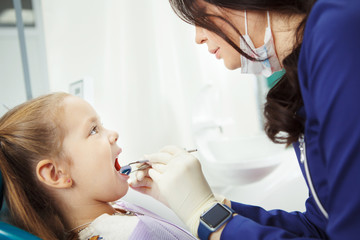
[[12, 86], [12, 91], [146, 68]]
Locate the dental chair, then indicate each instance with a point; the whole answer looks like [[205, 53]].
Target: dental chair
[[7, 231]]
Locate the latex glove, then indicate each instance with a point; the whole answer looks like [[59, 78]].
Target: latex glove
[[220, 198], [141, 181], [176, 179]]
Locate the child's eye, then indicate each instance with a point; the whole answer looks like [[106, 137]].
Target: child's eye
[[94, 130]]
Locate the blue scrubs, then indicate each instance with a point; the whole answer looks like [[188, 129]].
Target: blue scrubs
[[329, 75]]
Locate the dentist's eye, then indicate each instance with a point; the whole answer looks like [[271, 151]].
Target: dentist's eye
[[94, 130]]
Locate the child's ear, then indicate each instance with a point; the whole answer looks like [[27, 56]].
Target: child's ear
[[53, 176]]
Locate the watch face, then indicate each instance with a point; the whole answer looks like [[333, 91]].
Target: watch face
[[216, 215]]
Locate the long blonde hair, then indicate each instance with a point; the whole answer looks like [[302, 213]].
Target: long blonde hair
[[29, 133]]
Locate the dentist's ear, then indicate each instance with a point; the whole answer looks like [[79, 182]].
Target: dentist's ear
[[51, 175]]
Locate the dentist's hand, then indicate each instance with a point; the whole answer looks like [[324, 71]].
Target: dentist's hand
[[176, 180]]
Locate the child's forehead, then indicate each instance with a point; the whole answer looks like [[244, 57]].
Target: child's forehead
[[72, 102], [78, 109]]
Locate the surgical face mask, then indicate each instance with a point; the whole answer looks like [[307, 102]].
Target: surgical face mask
[[266, 51]]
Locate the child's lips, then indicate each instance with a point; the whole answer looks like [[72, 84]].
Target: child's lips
[[117, 165]]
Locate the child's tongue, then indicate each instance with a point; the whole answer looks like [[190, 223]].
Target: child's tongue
[[117, 165]]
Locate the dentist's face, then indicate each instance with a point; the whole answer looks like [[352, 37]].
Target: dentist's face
[[217, 45], [256, 24]]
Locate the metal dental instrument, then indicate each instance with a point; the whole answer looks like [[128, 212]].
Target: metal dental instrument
[[192, 150], [127, 168]]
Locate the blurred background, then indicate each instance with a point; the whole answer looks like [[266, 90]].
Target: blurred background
[[137, 63]]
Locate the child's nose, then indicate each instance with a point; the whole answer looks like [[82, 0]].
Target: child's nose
[[114, 136]]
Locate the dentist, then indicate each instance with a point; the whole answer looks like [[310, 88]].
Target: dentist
[[314, 106]]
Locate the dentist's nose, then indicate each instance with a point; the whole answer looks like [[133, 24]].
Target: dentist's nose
[[113, 137], [200, 37]]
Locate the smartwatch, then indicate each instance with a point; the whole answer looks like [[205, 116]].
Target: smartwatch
[[213, 219]]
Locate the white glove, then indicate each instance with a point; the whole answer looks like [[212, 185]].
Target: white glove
[[178, 182]]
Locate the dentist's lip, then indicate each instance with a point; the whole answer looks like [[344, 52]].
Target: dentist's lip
[[216, 52], [213, 51]]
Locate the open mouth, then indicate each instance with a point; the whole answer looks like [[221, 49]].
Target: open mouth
[[117, 165]]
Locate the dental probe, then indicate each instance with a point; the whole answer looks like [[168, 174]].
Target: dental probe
[[127, 168], [192, 150]]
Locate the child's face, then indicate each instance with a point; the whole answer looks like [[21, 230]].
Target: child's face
[[93, 151]]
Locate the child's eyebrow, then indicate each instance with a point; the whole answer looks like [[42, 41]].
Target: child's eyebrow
[[92, 120]]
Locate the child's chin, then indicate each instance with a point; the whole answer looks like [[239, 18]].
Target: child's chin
[[123, 191]]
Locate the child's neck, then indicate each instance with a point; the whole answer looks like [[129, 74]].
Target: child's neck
[[86, 213]]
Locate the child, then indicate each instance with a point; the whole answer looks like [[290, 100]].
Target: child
[[59, 168]]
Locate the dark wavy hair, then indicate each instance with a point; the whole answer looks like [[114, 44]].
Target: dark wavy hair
[[282, 125]]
